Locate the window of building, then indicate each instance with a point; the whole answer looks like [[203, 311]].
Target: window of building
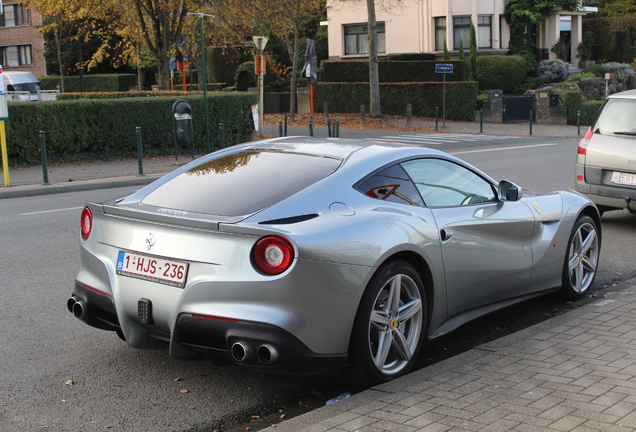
[[440, 33], [16, 55], [14, 15], [484, 31], [357, 42], [461, 31]]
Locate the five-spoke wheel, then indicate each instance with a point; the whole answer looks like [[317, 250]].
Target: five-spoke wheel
[[581, 259], [390, 324]]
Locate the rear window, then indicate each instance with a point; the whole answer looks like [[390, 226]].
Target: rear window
[[241, 183], [618, 116]]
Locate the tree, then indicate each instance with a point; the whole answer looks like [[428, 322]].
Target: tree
[[524, 16], [616, 8], [119, 24], [283, 18], [375, 108], [461, 56], [446, 54], [472, 61]]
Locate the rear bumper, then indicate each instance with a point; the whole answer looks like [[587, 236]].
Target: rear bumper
[[601, 192], [194, 336]]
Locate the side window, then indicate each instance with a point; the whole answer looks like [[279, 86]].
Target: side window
[[391, 184], [445, 184]]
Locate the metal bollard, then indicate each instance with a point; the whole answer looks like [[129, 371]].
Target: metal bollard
[[311, 126], [140, 159], [329, 127], [337, 126], [436, 117], [280, 128], [45, 169], [481, 120], [409, 115], [222, 135], [578, 122], [285, 129], [531, 115], [363, 114]]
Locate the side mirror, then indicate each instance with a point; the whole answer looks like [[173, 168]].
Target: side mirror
[[509, 191]]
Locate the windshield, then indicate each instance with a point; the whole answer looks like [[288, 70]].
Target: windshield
[[618, 116], [241, 183], [30, 87]]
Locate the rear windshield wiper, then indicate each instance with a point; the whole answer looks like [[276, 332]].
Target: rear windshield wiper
[[625, 133]]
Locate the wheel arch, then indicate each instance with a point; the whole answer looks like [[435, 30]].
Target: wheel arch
[[593, 212]]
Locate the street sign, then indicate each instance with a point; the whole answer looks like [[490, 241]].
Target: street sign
[[443, 68], [608, 76]]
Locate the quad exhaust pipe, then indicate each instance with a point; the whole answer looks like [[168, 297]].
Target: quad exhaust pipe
[[242, 351], [77, 307]]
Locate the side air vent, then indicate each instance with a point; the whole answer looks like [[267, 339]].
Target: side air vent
[[289, 220]]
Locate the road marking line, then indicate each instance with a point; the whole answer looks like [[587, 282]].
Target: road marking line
[[503, 148], [51, 211]]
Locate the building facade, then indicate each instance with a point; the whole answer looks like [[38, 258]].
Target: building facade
[[422, 26], [21, 44]]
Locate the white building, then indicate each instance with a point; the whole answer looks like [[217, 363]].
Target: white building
[[421, 26]]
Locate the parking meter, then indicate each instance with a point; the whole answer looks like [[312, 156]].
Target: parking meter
[[182, 122]]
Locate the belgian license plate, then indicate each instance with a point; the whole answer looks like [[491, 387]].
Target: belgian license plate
[[624, 178], [152, 268]]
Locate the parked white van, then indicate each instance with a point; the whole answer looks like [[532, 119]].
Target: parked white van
[[24, 86]]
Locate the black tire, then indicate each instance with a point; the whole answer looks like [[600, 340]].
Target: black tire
[[389, 329], [581, 259]]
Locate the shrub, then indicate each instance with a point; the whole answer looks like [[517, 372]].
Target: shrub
[[554, 70], [390, 71], [622, 49], [503, 73], [585, 47], [597, 69], [424, 97], [561, 48], [105, 128], [410, 57], [92, 83]]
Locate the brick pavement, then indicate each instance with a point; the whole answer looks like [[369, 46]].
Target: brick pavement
[[575, 372]]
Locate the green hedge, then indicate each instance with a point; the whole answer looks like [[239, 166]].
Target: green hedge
[[500, 72], [105, 128], [573, 100], [423, 97], [390, 71], [92, 83], [133, 94], [410, 57]]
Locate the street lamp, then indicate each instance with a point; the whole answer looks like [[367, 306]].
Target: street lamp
[[259, 64], [204, 79]]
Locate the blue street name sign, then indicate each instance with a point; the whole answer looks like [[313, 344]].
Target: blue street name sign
[[443, 68]]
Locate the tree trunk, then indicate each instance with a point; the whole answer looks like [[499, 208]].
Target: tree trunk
[[375, 110], [292, 87], [58, 46]]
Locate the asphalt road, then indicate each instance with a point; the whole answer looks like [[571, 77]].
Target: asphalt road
[[57, 374]]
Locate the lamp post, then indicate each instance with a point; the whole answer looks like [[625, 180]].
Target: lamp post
[[204, 79], [259, 64]]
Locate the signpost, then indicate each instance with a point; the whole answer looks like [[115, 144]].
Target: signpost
[[444, 68], [4, 115], [608, 77]]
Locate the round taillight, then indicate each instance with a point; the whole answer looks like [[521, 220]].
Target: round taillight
[[273, 255], [86, 222]]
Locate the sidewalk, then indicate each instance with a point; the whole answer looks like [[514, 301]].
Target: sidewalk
[[575, 372], [107, 174]]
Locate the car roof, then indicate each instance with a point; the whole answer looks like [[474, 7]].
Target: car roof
[[628, 94], [334, 147]]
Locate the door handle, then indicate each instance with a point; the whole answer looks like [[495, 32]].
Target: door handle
[[445, 234]]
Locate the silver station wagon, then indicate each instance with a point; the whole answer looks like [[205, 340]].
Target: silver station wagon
[[605, 168], [301, 255]]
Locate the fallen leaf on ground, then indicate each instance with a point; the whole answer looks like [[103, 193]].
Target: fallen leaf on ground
[[69, 382], [178, 379], [256, 417], [185, 391]]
